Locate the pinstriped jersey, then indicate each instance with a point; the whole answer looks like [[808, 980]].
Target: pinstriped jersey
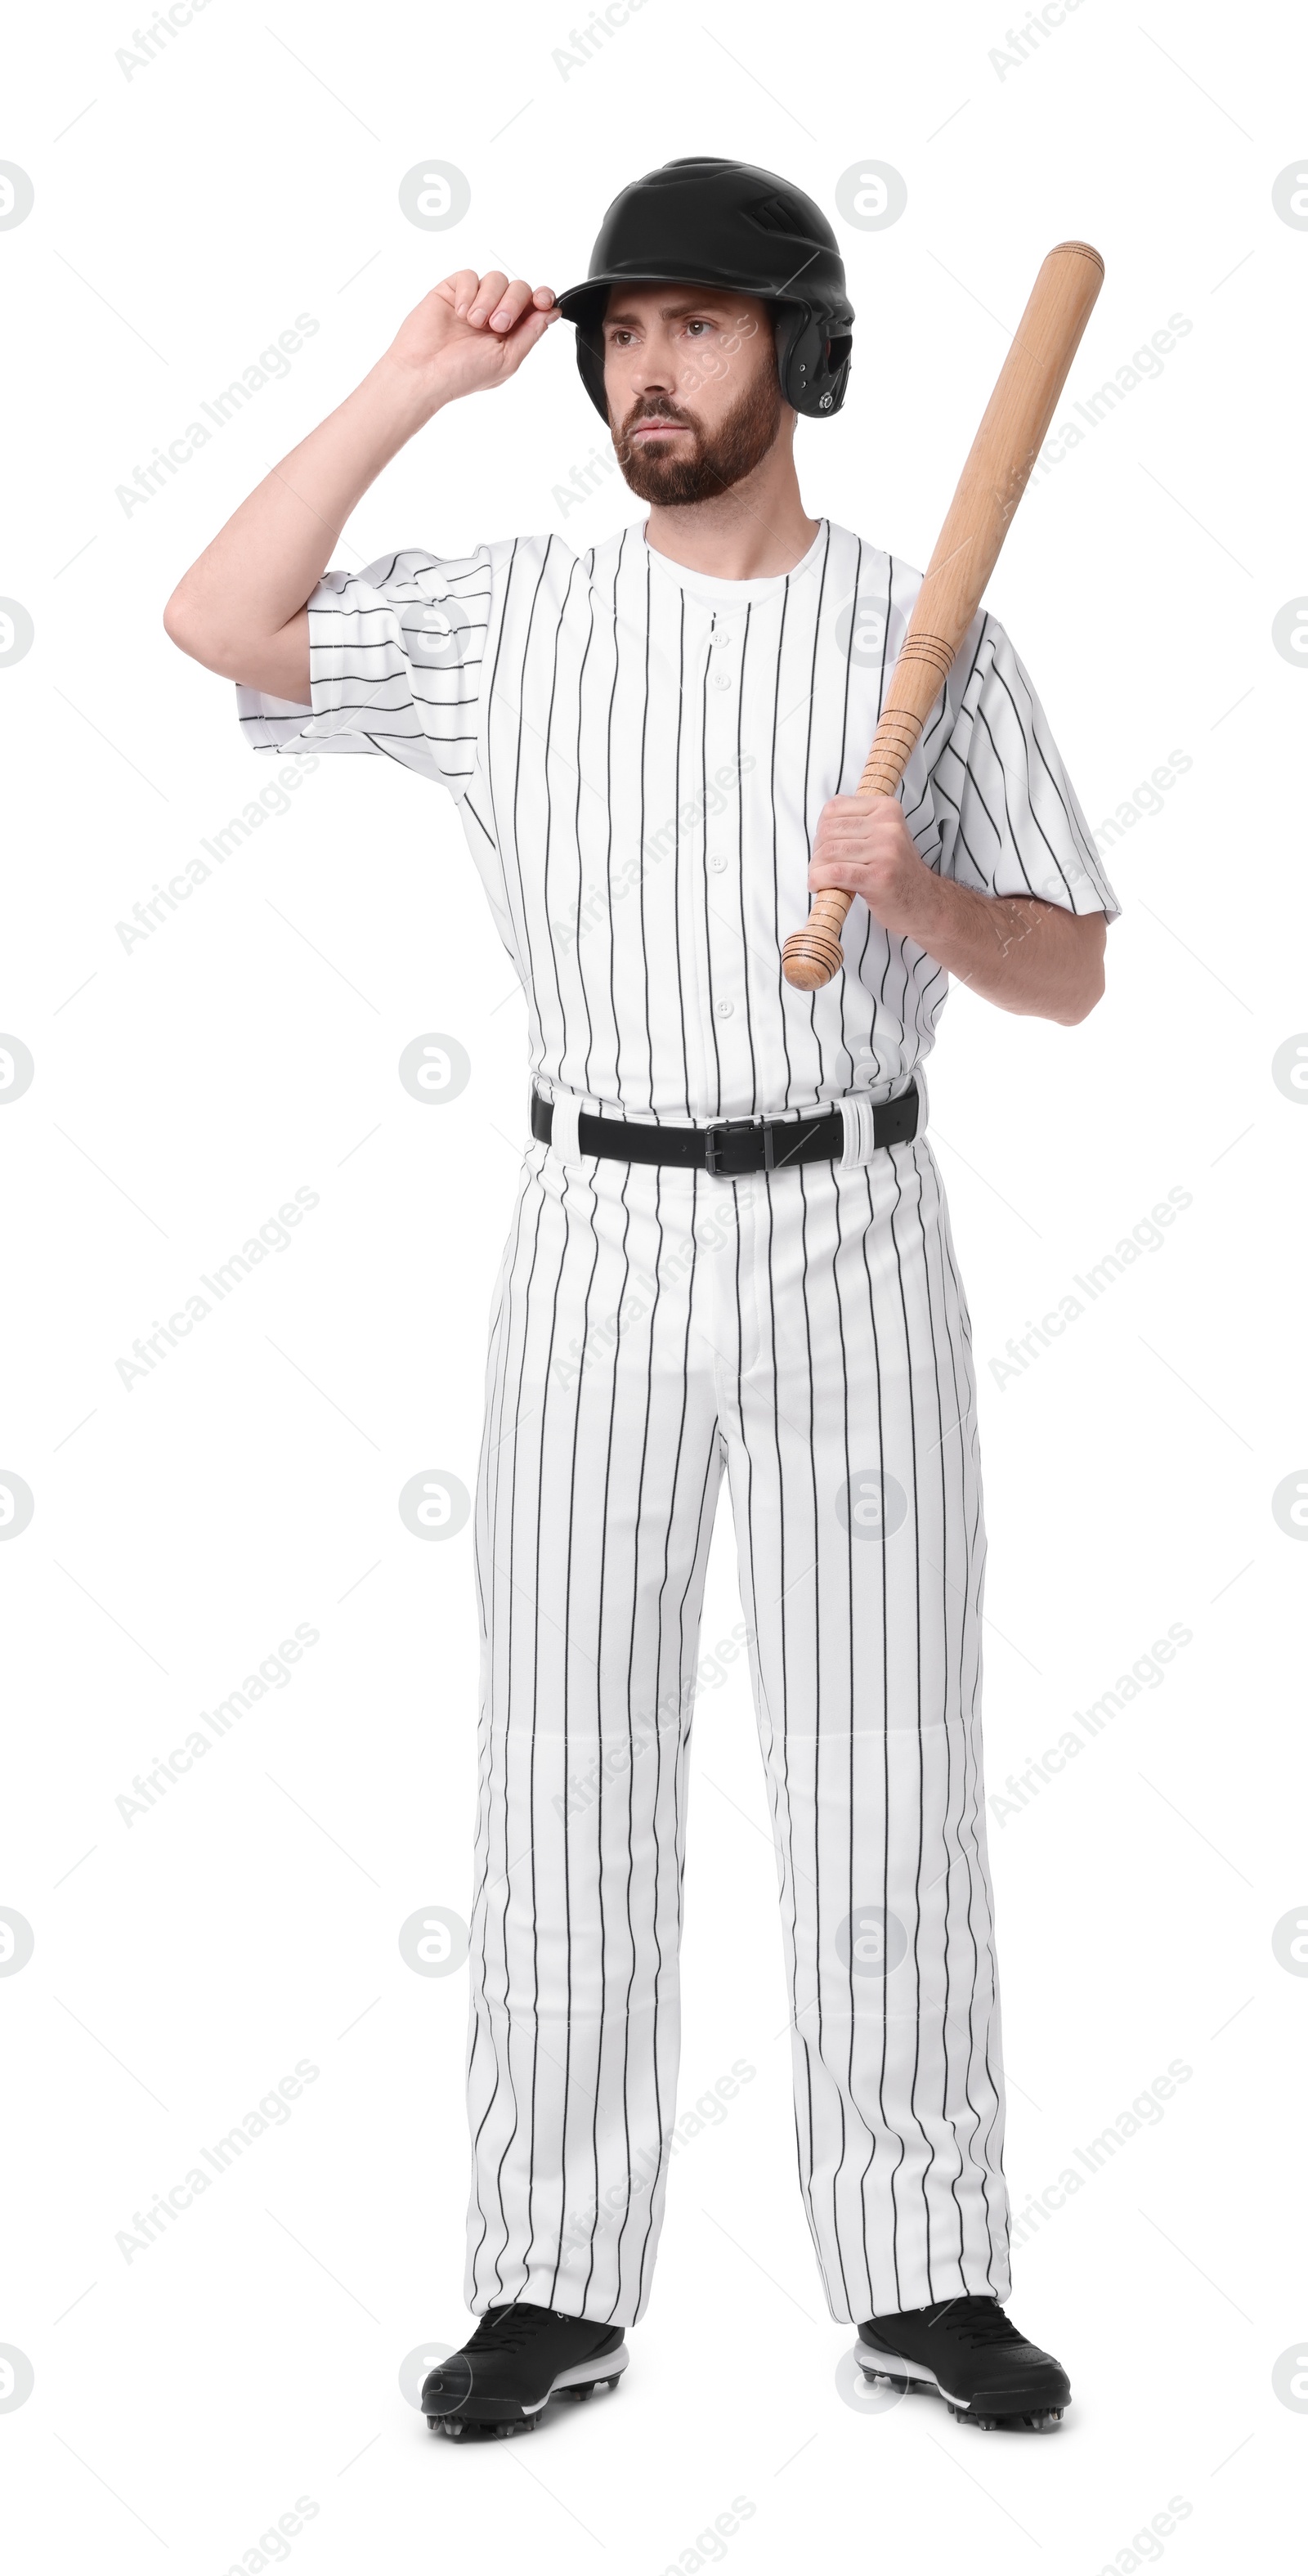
[[639, 755]]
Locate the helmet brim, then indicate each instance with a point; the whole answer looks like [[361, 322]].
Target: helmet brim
[[584, 304]]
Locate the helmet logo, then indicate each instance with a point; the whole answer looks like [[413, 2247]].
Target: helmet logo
[[727, 224], [775, 215]]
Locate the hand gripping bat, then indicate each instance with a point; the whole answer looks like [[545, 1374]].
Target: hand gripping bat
[[990, 486]]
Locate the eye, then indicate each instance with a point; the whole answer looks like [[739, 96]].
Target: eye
[[695, 325]]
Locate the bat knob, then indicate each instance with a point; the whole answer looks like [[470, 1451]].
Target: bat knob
[[811, 956]]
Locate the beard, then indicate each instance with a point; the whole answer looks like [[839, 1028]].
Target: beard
[[717, 459]]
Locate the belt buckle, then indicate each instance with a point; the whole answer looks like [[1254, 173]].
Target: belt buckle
[[723, 1127]]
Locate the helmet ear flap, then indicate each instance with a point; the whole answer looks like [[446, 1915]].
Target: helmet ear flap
[[814, 369]]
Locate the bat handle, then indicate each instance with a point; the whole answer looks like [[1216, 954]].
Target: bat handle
[[811, 956]]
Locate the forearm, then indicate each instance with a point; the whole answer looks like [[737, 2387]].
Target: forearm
[[241, 609], [1015, 950], [235, 603]]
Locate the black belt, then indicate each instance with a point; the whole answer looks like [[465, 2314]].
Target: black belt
[[732, 1147]]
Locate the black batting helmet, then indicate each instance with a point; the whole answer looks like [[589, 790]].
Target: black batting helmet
[[724, 223]]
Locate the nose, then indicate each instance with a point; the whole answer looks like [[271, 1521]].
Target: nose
[[651, 374]]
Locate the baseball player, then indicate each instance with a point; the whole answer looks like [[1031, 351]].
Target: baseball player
[[730, 1251]]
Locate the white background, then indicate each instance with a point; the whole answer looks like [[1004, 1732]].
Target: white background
[[184, 1088]]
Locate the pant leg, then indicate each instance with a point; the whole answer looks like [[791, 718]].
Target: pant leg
[[599, 1474], [856, 1491]]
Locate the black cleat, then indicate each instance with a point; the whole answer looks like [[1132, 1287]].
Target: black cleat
[[516, 2360], [968, 2352]]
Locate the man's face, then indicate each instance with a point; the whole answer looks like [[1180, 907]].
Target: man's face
[[690, 374]]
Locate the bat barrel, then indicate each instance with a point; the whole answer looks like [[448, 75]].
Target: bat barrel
[[1013, 430]]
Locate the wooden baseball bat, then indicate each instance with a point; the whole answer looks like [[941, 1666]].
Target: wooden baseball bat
[[992, 482]]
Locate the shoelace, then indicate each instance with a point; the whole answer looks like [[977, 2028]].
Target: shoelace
[[509, 2328], [978, 2321]]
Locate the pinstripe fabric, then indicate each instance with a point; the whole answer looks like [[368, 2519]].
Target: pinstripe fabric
[[639, 757], [805, 1329]]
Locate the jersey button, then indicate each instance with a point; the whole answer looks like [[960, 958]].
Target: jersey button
[[717, 865], [721, 678], [725, 1009]]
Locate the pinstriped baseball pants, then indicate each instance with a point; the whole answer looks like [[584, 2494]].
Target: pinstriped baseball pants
[[807, 1329]]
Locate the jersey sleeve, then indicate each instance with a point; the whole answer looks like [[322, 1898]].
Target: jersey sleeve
[[1005, 809], [396, 654]]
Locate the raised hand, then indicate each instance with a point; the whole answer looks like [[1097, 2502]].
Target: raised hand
[[471, 332], [241, 607]]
